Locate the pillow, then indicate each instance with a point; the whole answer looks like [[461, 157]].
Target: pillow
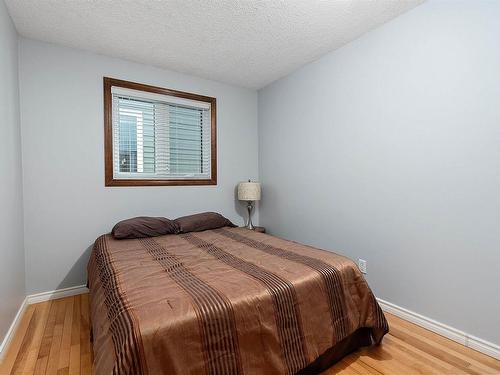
[[144, 226], [203, 221]]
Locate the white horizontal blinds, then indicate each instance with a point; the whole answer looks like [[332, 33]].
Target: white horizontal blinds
[[160, 137], [189, 141]]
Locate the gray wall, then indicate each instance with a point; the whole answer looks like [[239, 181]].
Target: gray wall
[[389, 150], [11, 206], [66, 203]]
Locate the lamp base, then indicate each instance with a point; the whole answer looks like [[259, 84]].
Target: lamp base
[[249, 222]]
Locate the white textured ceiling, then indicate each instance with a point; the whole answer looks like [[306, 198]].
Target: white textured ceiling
[[244, 42]]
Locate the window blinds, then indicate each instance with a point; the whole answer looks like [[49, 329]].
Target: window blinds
[[160, 137]]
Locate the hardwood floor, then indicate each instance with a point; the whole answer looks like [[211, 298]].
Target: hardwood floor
[[54, 338]]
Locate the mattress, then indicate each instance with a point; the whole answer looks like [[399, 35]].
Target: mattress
[[225, 301]]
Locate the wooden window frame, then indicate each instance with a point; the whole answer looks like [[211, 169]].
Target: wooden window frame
[[108, 135]]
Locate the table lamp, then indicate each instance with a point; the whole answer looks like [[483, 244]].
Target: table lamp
[[249, 192]]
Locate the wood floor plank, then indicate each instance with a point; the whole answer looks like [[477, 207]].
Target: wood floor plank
[[41, 365], [54, 338], [413, 360], [349, 363], [421, 356], [382, 360], [74, 360], [42, 310], [464, 362], [85, 349], [17, 341], [26, 359], [451, 345], [22, 354], [53, 361], [64, 353], [364, 369], [43, 353]]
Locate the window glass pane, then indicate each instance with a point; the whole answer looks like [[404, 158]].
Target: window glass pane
[[136, 136], [128, 143]]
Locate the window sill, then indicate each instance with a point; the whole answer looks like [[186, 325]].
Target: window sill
[[134, 182]]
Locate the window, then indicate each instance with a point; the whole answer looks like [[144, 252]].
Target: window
[[157, 136]]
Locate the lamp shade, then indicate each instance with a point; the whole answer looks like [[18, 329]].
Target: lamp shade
[[249, 191]]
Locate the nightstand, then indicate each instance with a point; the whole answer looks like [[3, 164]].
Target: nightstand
[[259, 229]]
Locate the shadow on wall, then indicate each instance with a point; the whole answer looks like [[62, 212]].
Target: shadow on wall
[[78, 271]]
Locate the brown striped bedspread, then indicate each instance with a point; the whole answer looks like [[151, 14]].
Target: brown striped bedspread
[[225, 301]]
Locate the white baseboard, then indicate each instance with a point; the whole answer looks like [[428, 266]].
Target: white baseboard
[[36, 298], [442, 329], [10, 332], [483, 346], [55, 294]]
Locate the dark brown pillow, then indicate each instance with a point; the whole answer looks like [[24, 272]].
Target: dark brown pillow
[[203, 221], [144, 226]]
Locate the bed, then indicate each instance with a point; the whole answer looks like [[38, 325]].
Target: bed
[[225, 301]]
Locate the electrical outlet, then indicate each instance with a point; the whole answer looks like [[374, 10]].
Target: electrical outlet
[[362, 265]]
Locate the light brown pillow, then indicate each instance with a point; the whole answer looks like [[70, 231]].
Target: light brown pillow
[[203, 221], [144, 226]]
